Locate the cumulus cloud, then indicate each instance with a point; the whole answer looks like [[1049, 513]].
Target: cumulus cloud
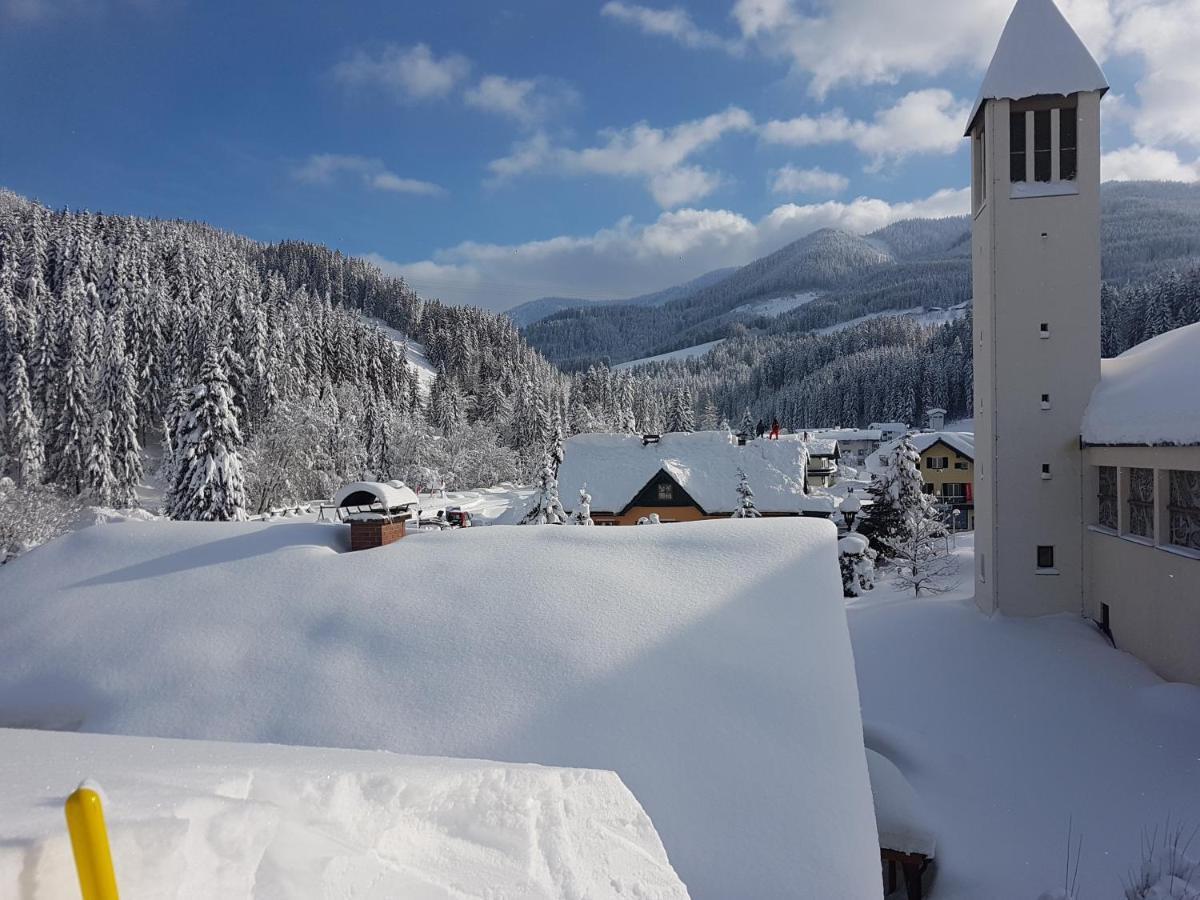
[[1138, 163], [791, 180], [409, 73], [325, 168], [860, 42], [657, 156], [630, 258], [925, 121], [528, 101], [675, 23]]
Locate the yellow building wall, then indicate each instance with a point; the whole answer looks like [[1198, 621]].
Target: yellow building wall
[[951, 475]]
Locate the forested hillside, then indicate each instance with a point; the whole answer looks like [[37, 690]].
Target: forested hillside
[[1147, 228], [253, 366]]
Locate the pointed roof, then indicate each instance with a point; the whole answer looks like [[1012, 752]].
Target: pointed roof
[[1039, 53]]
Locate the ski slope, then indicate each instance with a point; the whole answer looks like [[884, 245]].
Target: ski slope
[[674, 355]]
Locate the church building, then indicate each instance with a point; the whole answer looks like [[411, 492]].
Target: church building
[[1086, 519]]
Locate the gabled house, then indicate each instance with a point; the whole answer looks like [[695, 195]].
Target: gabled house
[[684, 477], [947, 468]]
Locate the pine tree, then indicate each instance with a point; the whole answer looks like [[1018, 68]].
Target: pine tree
[[547, 508], [98, 470], [710, 419], [119, 400], [71, 422], [745, 508], [896, 493], [583, 511], [208, 481], [24, 437], [747, 424]]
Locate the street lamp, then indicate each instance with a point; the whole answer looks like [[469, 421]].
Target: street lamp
[[850, 508]]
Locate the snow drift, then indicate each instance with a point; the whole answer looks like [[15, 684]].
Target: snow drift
[[708, 665], [191, 819]]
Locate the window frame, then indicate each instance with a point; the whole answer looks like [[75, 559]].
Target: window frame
[[1036, 125], [1045, 557]]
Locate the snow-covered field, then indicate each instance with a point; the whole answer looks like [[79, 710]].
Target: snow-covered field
[[1011, 730], [920, 315], [777, 306], [197, 820], [708, 665], [682, 353]]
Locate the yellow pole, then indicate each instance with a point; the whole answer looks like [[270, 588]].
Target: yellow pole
[[89, 841]]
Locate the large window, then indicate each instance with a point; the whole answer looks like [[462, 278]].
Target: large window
[[1184, 509], [1141, 502], [1108, 497]]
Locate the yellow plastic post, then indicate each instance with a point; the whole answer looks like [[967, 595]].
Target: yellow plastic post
[[89, 841]]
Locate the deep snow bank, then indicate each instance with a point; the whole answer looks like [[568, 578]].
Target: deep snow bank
[[191, 819], [709, 665]]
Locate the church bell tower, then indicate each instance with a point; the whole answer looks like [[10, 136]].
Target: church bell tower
[[1035, 138]]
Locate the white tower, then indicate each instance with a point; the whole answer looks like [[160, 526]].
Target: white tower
[[1035, 136]]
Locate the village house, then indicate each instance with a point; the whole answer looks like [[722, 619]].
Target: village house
[[684, 477], [947, 467], [1088, 489], [854, 444]]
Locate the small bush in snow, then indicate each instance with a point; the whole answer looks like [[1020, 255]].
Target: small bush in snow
[[583, 512], [857, 560], [1167, 871]]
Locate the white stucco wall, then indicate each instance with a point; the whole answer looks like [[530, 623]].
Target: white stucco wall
[[1035, 260]]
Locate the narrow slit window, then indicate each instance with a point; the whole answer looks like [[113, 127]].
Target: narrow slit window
[[1016, 146], [1045, 330], [1068, 158], [1041, 145], [1045, 557]]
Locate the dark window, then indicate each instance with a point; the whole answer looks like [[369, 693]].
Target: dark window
[[1045, 557], [1107, 495], [1016, 146], [1184, 509], [927, 488], [666, 490], [1045, 468], [1067, 164], [1045, 398], [1141, 502], [1045, 329], [1041, 145], [962, 464]]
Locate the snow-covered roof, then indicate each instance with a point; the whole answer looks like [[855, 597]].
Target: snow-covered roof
[[1039, 53], [369, 823], [705, 464], [1148, 394], [709, 665], [391, 494], [846, 435]]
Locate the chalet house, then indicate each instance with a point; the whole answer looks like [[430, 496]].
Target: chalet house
[[684, 477], [824, 454], [1088, 477], [854, 444]]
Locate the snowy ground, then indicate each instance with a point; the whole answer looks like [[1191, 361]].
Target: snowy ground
[[682, 353], [920, 315], [777, 306], [196, 820], [1010, 729], [413, 352]]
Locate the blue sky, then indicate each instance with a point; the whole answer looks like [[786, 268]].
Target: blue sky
[[497, 152]]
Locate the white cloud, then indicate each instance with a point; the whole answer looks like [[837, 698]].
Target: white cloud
[[927, 121], [324, 168], [629, 258], [791, 180], [410, 73], [857, 42], [655, 155], [1166, 36], [674, 23], [1138, 163], [525, 100]]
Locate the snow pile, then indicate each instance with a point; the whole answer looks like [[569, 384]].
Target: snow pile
[[902, 822], [204, 820], [614, 467], [1039, 53], [708, 665], [1146, 395]]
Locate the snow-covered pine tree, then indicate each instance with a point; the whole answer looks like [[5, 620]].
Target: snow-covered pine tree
[[746, 426], [118, 398], [583, 511], [895, 489], [686, 414], [24, 437], [208, 480], [710, 419], [70, 419], [547, 508], [745, 508], [98, 473]]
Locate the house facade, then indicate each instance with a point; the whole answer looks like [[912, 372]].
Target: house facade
[[948, 470], [1086, 488]]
